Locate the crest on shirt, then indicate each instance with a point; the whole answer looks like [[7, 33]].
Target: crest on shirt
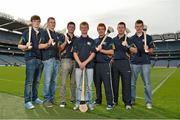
[[104, 43], [88, 43]]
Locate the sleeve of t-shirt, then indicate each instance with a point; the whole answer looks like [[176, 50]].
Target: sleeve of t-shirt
[[130, 41], [61, 39], [150, 42], [44, 37], [75, 45], [111, 44], [24, 38], [93, 47], [129, 44]]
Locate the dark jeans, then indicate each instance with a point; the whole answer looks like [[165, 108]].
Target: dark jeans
[[121, 69], [33, 75]]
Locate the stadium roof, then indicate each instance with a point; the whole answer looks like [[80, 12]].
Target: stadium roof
[[178, 36], [166, 37], [13, 24], [169, 36], [157, 38]]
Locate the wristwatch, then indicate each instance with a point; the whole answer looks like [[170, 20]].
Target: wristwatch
[[129, 46]]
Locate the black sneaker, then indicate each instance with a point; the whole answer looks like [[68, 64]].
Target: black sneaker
[[95, 103], [53, 102], [115, 103], [62, 105], [72, 101]]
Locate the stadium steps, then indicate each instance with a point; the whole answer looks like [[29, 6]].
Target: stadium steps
[[4, 61], [20, 59], [161, 63], [10, 59], [174, 63]]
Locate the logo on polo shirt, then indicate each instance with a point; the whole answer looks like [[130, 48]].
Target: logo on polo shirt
[[88, 43], [104, 43]]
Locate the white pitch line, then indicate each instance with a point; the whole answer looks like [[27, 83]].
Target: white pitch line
[[159, 85], [9, 80], [162, 82], [35, 112], [140, 98], [55, 111], [44, 109]]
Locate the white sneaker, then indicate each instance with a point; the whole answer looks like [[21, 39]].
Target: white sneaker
[[91, 107], [38, 101], [62, 106], [109, 107], [149, 106], [128, 107], [76, 107], [29, 105]]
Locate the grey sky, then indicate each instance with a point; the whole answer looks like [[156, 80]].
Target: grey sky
[[161, 16]]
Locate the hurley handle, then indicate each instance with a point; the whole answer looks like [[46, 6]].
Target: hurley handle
[[83, 79], [145, 37], [29, 38], [53, 43]]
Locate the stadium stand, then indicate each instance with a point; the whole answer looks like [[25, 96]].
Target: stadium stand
[[11, 59], [167, 50], [10, 33], [161, 63]]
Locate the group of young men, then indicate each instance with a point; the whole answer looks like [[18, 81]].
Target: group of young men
[[121, 57]]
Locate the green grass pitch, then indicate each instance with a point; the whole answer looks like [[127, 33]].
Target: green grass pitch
[[166, 99]]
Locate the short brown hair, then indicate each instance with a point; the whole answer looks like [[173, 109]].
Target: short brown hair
[[122, 23], [71, 23], [35, 17], [50, 18], [84, 23], [101, 25], [139, 22]]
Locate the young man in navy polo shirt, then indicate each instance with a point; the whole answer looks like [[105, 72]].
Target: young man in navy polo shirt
[[121, 66], [102, 67], [84, 52], [68, 66], [33, 62], [140, 63], [50, 57]]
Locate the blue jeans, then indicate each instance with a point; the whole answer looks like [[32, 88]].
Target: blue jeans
[[145, 75], [88, 84], [51, 69], [33, 76]]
